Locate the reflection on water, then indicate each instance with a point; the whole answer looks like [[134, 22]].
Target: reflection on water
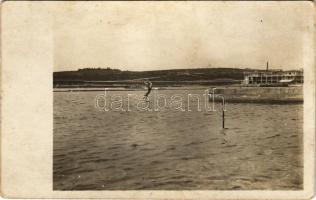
[[116, 150]]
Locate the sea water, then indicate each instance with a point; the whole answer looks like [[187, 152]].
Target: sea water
[[93, 149]]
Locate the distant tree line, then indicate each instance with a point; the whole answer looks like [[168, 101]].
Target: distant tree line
[[108, 74]]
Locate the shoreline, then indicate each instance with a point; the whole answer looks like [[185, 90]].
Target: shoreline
[[232, 94], [282, 95], [82, 89]]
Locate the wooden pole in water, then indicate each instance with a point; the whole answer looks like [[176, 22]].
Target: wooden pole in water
[[223, 113], [223, 119]]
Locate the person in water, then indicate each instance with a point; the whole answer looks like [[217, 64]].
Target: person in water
[[149, 87]]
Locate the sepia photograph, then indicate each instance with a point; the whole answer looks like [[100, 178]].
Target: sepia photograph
[[158, 100], [181, 96]]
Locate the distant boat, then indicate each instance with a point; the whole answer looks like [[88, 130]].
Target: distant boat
[[286, 80], [280, 83], [273, 78]]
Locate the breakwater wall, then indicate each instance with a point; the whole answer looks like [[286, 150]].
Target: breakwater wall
[[260, 94]]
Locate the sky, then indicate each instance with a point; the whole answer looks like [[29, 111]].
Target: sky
[[169, 35]]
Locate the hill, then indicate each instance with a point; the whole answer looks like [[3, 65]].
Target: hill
[[110, 76]]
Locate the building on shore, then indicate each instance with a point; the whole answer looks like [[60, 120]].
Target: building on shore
[[274, 78]]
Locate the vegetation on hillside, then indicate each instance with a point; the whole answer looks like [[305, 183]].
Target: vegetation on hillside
[[108, 74]]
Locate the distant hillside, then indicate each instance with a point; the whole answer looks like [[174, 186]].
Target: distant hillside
[[108, 74]]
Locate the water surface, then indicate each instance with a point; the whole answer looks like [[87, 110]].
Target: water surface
[[173, 150]]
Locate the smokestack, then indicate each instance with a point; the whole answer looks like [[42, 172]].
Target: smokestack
[[267, 66]]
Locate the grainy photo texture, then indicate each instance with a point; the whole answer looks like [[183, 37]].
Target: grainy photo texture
[[178, 96]]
